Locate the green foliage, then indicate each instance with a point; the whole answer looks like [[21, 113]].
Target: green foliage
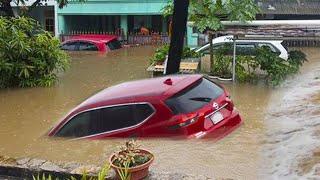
[[222, 65], [124, 172], [102, 175], [189, 53], [296, 59], [43, 177], [103, 172], [29, 56], [167, 10], [208, 14], [245, 69], [276, 69], [161, 53]]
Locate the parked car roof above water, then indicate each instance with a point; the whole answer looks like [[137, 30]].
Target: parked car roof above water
[[147, 89], [95, 37], [182, 105], [91, 42], [244, 47]]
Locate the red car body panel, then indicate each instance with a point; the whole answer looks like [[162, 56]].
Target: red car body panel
[[163, 122], [99, 40]]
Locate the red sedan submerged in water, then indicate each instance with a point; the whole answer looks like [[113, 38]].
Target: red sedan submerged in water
[[91, 42], [180, 105]]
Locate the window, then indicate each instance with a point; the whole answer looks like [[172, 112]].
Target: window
[[49, 24], [105, 119], [227, 48], [195, 97], [273, 49], [69, 46], [86, 46], [114, 44], [142, 112], [268, 45], [246, 49]]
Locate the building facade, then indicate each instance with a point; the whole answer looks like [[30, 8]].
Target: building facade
[[112, 16], [46, 14], [105, 16]]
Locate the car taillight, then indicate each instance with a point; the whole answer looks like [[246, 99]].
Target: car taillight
[[188, 122], [185, 121]]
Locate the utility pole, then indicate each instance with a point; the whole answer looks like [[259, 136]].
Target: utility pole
[[179, 26]]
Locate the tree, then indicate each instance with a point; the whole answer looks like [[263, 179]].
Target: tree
[[179, 23], [208, 14], [29, 56], [7, 10]]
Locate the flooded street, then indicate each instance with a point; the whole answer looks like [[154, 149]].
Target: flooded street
[[292, 139], [266, 135]]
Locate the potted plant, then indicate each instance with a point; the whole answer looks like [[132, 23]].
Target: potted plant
[[131, 162]]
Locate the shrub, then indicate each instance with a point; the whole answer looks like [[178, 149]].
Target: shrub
[[276, 68], [29, 56], [161, 53]]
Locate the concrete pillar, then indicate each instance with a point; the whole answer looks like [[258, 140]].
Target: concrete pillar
[[56, 29], [164, 25], [124, 24], [192, 38], [61, 25]]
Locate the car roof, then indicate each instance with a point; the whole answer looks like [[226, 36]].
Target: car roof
[[145, 90], [95, 38], [226, 39], [230, 37]]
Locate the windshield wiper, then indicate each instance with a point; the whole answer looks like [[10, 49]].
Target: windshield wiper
[[203, 99]]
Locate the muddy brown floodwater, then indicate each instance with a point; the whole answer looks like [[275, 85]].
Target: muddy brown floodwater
[[27, 114]]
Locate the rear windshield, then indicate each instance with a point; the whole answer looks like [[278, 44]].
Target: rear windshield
[[194, 97], [114, 44]]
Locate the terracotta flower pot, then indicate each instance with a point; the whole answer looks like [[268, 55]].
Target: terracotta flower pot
[[137, 172]]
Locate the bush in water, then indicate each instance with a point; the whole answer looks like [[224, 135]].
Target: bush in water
[[29, 56], [275, 68], [161, 53]]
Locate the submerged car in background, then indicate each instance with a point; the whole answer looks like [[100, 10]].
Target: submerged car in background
[[245, 47], [181, 105], [102, 43]]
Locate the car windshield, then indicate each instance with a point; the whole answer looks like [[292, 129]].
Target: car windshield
[[194, 97]]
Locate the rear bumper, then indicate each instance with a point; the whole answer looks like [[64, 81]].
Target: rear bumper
[[221, 129]]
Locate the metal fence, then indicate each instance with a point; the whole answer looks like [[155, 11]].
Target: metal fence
[[153, 39], [132, 38]]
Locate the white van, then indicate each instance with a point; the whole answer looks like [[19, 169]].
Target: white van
[[244, 47]]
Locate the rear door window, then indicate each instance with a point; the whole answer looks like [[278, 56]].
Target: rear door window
[[86, 46], [70, 46], [273, 49], [194, 97], [142, 112], [246, 49], [268, 45], [105, 120], [114, 44]]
